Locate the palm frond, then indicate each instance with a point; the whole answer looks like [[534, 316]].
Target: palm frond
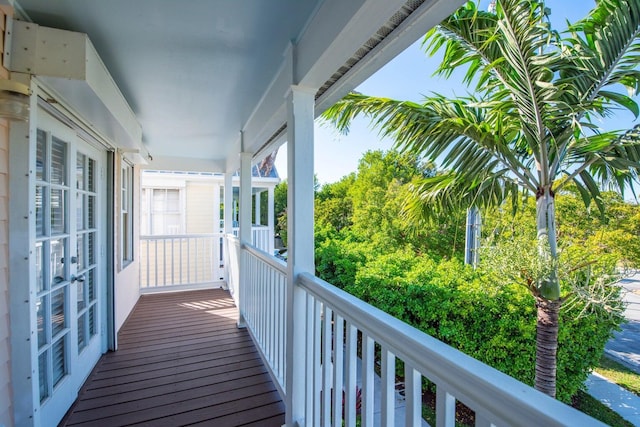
[[611, 160], [603, 50], [458, 134], [469, 39], [450, 191]]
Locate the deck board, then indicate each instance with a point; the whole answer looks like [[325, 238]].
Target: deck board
[[181, 360]]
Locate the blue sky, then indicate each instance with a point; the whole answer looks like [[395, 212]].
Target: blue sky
[[409, 77]]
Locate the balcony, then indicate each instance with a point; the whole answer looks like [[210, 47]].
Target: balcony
[[335, 359]]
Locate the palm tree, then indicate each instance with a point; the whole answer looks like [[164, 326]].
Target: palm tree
[[529, 126]]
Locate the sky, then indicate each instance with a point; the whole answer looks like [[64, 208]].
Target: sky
[[410, 77]]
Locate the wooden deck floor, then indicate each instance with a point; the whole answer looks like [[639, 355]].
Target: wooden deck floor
[[181, 360]]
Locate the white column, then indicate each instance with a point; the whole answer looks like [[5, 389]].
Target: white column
[[300, 105], [228, 203], [228, 222], [270, 219], [216, 271], [257, 206], [245, 228], [245, 198], [216, 208]]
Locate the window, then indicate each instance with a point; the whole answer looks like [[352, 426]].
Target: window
[[126, 213], [162, 213]]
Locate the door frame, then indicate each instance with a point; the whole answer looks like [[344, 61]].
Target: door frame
[[22, 236]]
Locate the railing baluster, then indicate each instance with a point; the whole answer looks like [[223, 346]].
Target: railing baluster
[[156, 261], [317, 362], [326, 367], [173, 245], [148, 267], [445, 408], [262, 311], [197, 246], [338, 368], [188, 248], [388, 382], [368, 355], [309, 362], [281, 332], [413, 396], [274, 316], [350, 380]]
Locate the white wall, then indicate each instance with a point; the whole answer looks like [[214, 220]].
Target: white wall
[[126, 277]]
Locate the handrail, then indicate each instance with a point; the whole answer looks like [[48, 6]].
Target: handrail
[[178, 236], [268, 259], [495, 396]]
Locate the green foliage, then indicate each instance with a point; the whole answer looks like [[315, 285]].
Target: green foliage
[[334, 205], [584, 235], [490, 322], [367, 207], [280, 210], [280, 197]]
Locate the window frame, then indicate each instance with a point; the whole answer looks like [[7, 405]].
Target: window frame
[[149, 212], [127, 254]]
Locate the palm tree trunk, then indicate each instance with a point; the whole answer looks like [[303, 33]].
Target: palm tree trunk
[[546, 345], [548, 300], [549, 287]]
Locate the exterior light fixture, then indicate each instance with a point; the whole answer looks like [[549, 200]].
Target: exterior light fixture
[[14, 100]]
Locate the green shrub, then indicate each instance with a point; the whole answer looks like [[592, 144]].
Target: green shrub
[[494, 324]]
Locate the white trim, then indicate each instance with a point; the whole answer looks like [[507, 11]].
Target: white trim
[[127, 252], [21, 240]]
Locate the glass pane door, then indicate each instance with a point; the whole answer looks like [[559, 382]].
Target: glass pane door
[[86, 240], [69, 266], [53, 266]]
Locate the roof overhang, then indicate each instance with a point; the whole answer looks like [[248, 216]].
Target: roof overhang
[[192, 87]]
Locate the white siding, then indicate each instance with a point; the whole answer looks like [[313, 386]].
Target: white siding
[[199, 208]]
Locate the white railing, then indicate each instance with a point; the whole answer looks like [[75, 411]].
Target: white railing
[[262, 237], [180, 261], [348, 343], [264, 307], [189, 261]]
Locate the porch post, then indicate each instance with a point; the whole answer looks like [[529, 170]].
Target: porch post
[[216, 208], [245, 228], [270, 219], [228, 203], [300, 106], [217, 250], [228, 221], [257, 207]]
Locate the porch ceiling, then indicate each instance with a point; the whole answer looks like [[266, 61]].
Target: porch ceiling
[[197, 73]]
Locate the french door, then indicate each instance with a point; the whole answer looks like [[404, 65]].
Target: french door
[[69, 263]]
